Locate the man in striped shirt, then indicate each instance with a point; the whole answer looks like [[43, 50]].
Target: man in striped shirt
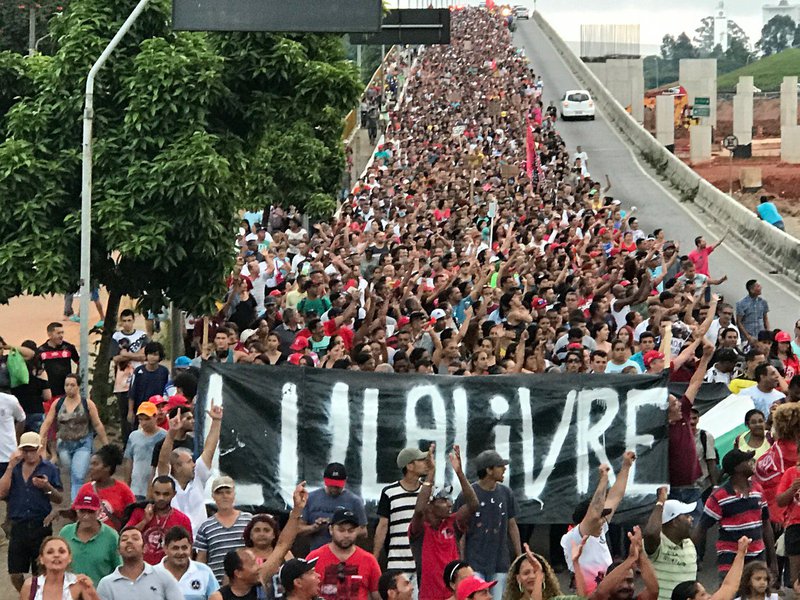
[[741, 510], [223, 532], [396, 508], [667, 541]]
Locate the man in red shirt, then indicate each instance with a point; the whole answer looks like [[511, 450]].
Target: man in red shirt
[[157, 518], [347, 572], [433, 528], [699, 256], [684, 467]]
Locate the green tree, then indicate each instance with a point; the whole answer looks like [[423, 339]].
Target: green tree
[[189, 127], [667, 47], [777, 35], [683, 48], [704, 36], [15, 21]]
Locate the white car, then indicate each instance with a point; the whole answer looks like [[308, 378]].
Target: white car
[[577, 104], [521, 12]]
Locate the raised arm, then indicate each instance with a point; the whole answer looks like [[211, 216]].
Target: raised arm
[[730, 585], [538, 574], [617, 491], [212, 439], [287, 536], [697, 379], [652, 530], [424, 495], [471, 503], [592, 523]]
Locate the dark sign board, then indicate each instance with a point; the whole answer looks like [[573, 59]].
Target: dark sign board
[[410, 26], [334, 16]]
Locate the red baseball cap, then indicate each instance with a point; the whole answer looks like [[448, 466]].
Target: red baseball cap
[[652, 355], [782, 336], [88, 501], [473, 584], [157, 399], [177, 400], [300, 343]]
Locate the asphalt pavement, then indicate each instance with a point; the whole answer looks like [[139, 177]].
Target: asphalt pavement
[[635, 184]]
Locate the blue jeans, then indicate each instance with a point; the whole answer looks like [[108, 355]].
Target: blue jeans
[[75, 455], [500, 578], [33, 421]]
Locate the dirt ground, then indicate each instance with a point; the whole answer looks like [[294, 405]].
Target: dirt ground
[[766, 119], [780, 179]]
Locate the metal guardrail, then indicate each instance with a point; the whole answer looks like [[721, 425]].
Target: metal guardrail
[[351, 120]]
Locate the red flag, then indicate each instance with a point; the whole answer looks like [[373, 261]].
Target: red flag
[[529, 149], [489, 4]]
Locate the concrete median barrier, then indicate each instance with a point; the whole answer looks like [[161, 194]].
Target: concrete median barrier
[[780, 250]]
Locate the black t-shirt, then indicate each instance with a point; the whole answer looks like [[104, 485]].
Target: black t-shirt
[[187, 443], [227, 593], [244, 314], [30, 395], [57, 361]]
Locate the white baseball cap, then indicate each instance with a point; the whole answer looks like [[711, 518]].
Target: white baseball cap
[[673, 508], [438, 313]]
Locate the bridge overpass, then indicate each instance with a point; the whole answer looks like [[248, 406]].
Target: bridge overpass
[[637, 184]]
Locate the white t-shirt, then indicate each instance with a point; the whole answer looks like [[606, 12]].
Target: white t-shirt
[[10, 413], [612, 368], [762, 400], [191, 500], [596, 556]]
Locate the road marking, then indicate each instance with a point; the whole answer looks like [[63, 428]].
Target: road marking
[[764, 273]]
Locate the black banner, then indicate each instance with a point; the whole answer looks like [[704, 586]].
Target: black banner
[[284, 424]]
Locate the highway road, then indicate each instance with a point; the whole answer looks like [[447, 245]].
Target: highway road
[[635, 184]]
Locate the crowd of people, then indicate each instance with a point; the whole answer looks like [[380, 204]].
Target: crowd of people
[[475, 244]]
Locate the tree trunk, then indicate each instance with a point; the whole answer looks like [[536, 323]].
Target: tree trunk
[[102, 389]]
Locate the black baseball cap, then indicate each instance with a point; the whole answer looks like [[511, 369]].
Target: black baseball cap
[[734, 458], [343, 515], [292, 569]]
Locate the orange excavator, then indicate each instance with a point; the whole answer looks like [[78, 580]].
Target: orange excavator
[[680, 98]]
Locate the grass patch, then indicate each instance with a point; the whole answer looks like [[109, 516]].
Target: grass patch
[[768, 72]]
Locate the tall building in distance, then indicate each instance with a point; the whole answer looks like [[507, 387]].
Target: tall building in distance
[[721, 27], [784, 7]]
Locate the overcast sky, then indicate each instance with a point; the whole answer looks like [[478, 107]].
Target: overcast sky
[[656, 17]]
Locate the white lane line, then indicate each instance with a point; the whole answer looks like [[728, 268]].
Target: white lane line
[[764, 274]]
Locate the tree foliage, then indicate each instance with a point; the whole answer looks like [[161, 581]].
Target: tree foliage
[[189, 127], [15, 20], [704, 36], [777, 35]]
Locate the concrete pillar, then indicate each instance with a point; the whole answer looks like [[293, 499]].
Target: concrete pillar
[[599, 69], [665, 121], [617, 80], [699, 77], [745, 85], [624, 79], [789, 101], [636, 78], [790, 144], [743, 117], [699, 143]]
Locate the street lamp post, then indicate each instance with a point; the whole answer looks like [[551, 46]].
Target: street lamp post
[[86, 191]]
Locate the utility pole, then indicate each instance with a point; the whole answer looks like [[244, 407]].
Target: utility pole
[[32, 30], [86, 191]]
